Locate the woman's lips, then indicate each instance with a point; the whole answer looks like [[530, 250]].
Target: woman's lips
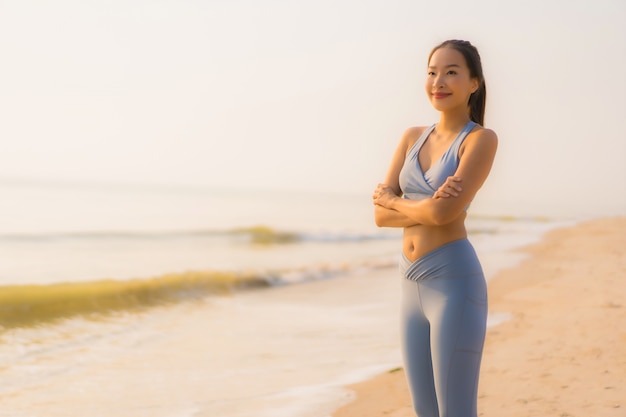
[[440, 95]]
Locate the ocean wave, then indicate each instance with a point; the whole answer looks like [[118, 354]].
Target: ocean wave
[[27, 305], [31, 305], [263, 235]]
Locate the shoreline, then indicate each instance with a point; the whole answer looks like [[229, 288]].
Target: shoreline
[[562, 352]]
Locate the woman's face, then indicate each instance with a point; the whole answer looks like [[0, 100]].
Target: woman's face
[[448, 83]]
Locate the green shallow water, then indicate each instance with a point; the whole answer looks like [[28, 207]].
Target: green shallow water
[[28, 305]]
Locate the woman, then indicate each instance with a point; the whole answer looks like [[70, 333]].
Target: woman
[[434, 175]]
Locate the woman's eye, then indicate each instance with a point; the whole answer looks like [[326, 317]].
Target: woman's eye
[[451, 72]]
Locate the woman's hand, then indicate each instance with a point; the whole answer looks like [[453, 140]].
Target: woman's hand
[[450, 188], [384, 195]]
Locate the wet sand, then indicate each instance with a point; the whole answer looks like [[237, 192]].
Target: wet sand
[[562, 353], [291, 351]]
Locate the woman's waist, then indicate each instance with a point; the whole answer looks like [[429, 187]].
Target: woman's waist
[[421, 239]]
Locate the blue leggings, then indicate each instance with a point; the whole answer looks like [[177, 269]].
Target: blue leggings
[[444, 319]]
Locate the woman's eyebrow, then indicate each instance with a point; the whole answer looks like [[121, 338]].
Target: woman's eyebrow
[[447, 66]]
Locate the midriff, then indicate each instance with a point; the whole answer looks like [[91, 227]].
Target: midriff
[[420, 239]]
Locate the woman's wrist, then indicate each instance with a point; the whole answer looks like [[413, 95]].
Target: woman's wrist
[[393, 202]]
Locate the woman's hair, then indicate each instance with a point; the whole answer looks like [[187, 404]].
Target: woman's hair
[[478, 99]]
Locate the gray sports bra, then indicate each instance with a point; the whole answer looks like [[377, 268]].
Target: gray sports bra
[[418, 185]]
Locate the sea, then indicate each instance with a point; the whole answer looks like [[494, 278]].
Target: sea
[[167, 301]]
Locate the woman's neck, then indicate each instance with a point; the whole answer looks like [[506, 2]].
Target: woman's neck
[[452, 123]]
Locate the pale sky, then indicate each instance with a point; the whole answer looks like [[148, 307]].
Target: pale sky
[[310, 94]]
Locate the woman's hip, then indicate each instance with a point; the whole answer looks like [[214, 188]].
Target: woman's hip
[[456, 259]]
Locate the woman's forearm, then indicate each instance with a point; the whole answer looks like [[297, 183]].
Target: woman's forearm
[[391, 218], [430, 211]]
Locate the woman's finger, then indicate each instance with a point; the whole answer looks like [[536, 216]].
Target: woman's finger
[[452, 191], [454, 186]]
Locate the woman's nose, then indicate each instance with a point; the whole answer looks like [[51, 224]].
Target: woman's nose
[[438, 82]]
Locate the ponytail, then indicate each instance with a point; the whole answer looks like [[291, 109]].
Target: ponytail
[[477, 103]]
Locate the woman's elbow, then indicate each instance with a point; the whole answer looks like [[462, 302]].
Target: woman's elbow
[[439, 219], [379, 216], [384, 217], [443, 215]]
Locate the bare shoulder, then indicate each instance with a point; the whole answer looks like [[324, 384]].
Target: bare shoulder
[[481, 139], [411, 135], [483, 134], [415, 131]]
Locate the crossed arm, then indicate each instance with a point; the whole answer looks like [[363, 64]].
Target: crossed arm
[[391, 210]]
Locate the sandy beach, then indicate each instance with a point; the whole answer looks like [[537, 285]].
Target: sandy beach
[[563, 351], [304, 350]]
